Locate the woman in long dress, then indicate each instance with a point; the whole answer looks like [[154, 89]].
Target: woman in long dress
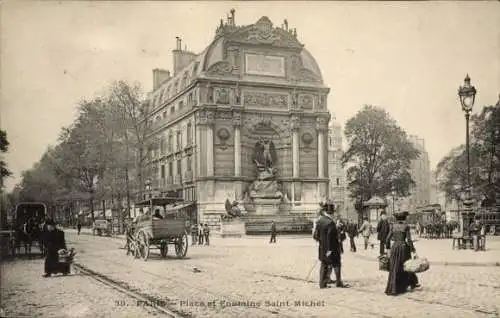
[[399, 280]]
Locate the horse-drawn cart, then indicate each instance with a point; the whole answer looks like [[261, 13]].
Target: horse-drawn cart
[[155, 233]]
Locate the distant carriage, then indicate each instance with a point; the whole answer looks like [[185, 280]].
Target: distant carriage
[[151, 233], [27, 225]]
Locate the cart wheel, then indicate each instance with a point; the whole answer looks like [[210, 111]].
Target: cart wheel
[[143, 245], [181, 246], [164, 249]]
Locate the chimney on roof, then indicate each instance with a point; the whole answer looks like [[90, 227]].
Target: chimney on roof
[[232, 17], [159, 76], [181, 58], [179, 43]]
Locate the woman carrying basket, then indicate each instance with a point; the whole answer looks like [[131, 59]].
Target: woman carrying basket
[[399, 280]]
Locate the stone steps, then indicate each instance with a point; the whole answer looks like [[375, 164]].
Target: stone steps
[[261, 224]]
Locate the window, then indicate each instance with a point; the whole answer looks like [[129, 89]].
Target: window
[[189, 133], [189, 163], [162, 145], [170, 143], [176, 87], [190, 99], [172, 110], [181, 105], [164, 114], [179, 140], [170, 169], [163, 171], [157, 118], [338, 181], [179, 167]]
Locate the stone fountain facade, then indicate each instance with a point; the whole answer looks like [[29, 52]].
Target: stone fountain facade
[[259, 108]]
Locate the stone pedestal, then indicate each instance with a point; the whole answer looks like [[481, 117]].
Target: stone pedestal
[[266, 206], [232, 228]]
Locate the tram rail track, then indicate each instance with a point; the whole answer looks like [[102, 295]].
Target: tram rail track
[[152, 302], [492, 312]]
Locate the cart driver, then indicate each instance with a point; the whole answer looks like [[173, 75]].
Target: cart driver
[[157, 214], [139, 216]]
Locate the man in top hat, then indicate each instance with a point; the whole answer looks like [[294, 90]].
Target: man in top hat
[[329, 249], [383, 229], [53, 241]]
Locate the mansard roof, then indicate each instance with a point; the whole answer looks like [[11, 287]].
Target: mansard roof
[[214, 58]]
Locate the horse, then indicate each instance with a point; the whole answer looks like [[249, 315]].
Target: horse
[[27, 233]]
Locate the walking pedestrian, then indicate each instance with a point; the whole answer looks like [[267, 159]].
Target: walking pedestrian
[[398, 280], [273, 233], [366, 230], [383, 228], [475, 230], [78, 226], [53, 242], [352, 231], [206, 233], [321, 212], [341, 231], [194, 234], [329, 249], [200, 234]]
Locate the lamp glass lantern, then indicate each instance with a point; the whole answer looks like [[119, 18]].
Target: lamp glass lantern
[[467, 94], [148, 185]]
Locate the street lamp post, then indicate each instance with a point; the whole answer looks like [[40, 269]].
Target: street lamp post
[[393, 192], [148, 188], [467, 95]]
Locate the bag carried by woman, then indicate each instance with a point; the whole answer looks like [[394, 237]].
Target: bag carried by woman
[[383, 262], [416, 265]]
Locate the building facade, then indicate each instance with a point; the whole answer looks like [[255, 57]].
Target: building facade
[[420, 193], [245, 120], [337, 186]]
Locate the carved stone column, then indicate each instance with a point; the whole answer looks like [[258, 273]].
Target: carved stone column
[[210, 143], [237, 143], [294, 125], [322, 128], [200, 121], [205, 143]]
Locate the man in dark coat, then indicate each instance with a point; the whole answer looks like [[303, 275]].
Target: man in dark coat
[[352, 231], [329, 249], [273, 233], [383, 229], [53, 241]]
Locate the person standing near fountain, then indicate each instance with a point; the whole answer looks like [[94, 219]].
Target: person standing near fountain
[[329, 249], [273, 233]]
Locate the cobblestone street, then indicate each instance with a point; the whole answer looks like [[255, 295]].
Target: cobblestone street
[[25, 293], [270, 280]]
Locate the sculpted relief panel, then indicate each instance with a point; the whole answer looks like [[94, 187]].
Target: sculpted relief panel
[[262, 99], [221, 95], [306, 101]]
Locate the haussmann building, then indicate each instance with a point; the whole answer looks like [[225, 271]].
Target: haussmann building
[[245, 120]]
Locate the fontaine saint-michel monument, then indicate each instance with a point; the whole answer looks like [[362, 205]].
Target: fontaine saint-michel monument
[[242, 127]]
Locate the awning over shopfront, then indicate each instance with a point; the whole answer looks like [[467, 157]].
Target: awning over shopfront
[[159, 201]]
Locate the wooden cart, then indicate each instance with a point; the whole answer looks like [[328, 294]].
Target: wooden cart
[[151, 233]]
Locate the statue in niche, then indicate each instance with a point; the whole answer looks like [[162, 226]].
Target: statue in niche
[[236, 95], [210, 93], [266, 186], [264, 157]]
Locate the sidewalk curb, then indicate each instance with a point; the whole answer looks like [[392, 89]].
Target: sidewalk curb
[[440, 263]]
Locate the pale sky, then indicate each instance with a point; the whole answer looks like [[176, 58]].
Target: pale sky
[[409, 58]]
